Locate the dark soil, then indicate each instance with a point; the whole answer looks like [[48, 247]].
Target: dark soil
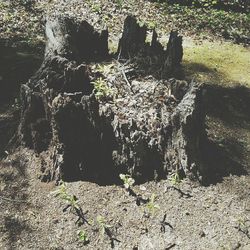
[[183, 216]]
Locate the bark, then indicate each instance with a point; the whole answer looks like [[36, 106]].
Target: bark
[[153, 128], [133, 43]]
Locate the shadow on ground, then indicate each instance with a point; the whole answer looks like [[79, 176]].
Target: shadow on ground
[[201, 73], [229, 104], [228, 126], [16, 67], [13, 200]]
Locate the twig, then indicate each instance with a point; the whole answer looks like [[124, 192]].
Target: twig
[[170, 246], [118, 58], [126, 79], [121, 67]]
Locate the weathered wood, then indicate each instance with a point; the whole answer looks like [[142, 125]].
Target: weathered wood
[[133, 43], [133, 38], [173, 54], [76, 41], [154, 128]]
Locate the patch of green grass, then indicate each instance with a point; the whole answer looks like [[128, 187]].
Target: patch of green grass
[[217, 62]]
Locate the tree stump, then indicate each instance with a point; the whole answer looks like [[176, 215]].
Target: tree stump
[[93, 121]]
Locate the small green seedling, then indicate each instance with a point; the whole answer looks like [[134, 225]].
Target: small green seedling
[[103, 226], [140, 23], [101, 89], [243, 227], [128, 181], [61, 191], [105, 229], [105, 69], [175, 179], [96, 8], [71, 200], [151, 205], [72, 204], [83, 237], [151, 25]]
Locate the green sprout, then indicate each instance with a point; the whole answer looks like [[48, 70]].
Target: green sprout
[[104, 227], [151, 25], [101, 89], [72, 204], [151, 205], [105, 69], [243, 226], [96, 8], [175, 179], [71, 200], [128, 181], [83, 237]]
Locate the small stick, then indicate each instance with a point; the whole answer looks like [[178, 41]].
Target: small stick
[[170, 246], [126, 79], [124, 75]]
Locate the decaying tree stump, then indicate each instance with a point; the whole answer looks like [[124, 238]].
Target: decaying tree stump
[[135, 122]]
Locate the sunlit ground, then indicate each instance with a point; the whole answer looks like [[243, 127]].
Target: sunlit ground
[[217, 62]]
